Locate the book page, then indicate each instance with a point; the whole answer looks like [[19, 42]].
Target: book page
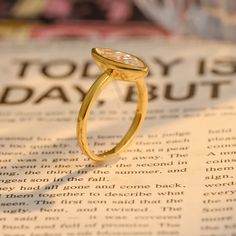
[[176, 178]]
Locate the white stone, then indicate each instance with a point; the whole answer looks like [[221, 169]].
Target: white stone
[[120, 57]]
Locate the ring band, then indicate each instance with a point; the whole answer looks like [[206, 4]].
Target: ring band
[[116, 65]]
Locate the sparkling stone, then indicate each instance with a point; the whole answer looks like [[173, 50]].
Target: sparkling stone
[[120, 57]]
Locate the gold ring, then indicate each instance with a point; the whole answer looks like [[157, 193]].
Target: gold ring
[[116, 65]]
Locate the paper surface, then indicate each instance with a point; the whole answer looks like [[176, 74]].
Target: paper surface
[[176, 178]]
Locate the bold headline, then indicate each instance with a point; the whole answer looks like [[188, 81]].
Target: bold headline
[[64, 69]]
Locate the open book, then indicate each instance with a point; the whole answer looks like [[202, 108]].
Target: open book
[[176, 178]]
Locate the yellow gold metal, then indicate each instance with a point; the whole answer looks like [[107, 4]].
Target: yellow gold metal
[[116, 65]]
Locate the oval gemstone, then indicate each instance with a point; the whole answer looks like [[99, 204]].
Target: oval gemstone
[[121, 57]]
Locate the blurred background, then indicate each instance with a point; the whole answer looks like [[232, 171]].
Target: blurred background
[[50, 19]]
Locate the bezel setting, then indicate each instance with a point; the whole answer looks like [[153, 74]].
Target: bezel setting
[[114, 59]]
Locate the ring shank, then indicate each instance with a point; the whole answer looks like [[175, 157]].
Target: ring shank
[[86, 107]]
